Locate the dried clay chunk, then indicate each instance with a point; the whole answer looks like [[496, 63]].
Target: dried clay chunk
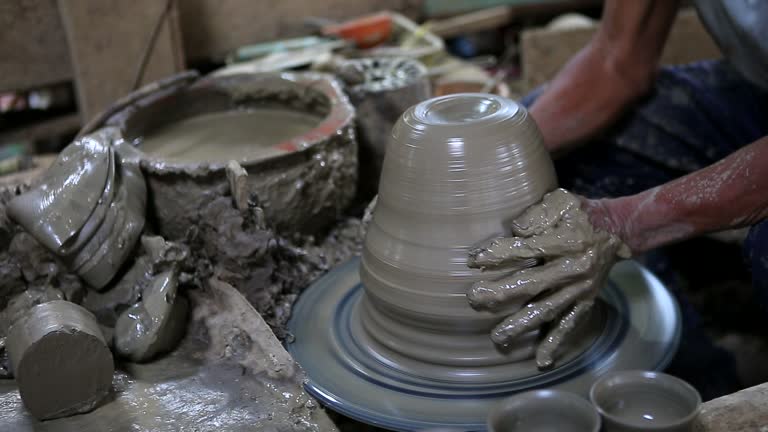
[[60, 360]]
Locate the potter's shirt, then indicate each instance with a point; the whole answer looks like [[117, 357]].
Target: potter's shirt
[[740, 28]]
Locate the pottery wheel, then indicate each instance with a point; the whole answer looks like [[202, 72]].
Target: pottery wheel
[[635, 325]]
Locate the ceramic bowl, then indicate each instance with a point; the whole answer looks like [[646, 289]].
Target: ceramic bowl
[[633, 401], [298, 145], [457, 170], [544, 410]]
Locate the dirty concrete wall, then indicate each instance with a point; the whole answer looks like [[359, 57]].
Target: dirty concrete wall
[[212, 28], [545, 51], [33, 50]]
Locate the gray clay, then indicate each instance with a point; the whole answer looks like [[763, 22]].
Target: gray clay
[[457, 169], [575, 261], [302, 184], [153, 325], [238, 135], [57, 209], [152, 315], [60, 360], [156, 256], [237, 177], [89, 208], [380, 89]]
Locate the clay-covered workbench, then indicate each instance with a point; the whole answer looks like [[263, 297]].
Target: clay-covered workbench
[[746, 410]]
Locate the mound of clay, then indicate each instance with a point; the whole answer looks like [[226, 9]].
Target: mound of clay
[[60, 360]]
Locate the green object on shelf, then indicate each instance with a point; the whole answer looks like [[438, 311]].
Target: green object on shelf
[[249, 52], [451, 7]]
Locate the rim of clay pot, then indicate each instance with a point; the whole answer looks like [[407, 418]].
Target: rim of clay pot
[[230, 93], [549, 397], [653, 379], [379, 76]]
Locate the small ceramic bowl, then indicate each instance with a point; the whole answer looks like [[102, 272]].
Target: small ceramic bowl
[[631, 401], [544, 410]]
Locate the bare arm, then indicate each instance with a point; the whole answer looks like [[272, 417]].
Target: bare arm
[[731, 193], [616, 68]]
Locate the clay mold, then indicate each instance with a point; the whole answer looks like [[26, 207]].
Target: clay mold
[[292, 133]]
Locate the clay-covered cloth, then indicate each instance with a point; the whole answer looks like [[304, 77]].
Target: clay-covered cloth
[[696, 115]]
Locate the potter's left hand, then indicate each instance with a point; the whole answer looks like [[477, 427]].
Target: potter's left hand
[[573, 258]]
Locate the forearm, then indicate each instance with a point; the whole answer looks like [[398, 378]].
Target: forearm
[[732, 193], [585, 97], [613, 70]]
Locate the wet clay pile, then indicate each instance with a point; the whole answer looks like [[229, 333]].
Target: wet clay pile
[[429, 318], [438, 198], [86, 233]]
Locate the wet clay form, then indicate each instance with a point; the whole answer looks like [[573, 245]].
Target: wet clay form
[[636, 401], [457, 171], [89, 206], [292, 133], [381, 89], [60, 360]]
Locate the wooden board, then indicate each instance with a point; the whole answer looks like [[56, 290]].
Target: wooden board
[[213, 28], [107, 39], [33, 49], [544, 51]]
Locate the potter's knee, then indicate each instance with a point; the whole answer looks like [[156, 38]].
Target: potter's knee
[[756, 255], [531, 97]]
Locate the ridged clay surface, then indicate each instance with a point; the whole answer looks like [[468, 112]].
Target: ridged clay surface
[[457, 169]]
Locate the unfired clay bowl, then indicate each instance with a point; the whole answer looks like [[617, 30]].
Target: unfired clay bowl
[[293, 133], [544, 410], [457, 170], [634, 401]]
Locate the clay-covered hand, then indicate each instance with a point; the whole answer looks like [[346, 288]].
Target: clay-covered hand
[[572, 260]]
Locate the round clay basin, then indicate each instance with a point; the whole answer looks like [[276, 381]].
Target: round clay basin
[[291, 132]]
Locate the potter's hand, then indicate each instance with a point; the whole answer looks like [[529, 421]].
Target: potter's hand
[[574, 259]]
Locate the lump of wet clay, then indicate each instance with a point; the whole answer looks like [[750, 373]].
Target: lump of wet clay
[[154, 324], [89, 208], [60, 360]]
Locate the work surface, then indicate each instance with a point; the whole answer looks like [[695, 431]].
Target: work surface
[[746, 410]]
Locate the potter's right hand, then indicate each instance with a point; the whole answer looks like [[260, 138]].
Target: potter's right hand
[[573, 258]]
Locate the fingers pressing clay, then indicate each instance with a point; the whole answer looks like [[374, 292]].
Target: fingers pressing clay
[[525, 284], [508, 252], [538, 218], [557, 334], [60, 360], [539, 312]]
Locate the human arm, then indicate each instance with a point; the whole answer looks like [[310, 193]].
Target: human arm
[[576, 241], [615, 69], [731, 193]]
